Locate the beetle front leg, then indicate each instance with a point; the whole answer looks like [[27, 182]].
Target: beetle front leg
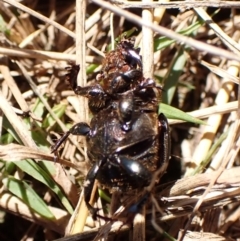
[[96, 95], [81, 129]]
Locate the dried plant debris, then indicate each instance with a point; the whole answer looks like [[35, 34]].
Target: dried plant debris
[[195, 60]]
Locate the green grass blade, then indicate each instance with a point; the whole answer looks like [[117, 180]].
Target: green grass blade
[[164, 42], [174, 72], [23, 191], [34, 170], [174, 113]]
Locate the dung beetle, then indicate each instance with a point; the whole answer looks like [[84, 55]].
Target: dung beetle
[[127, 141]]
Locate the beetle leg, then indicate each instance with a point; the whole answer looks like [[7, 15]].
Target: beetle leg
[[96, 95], [80, 128], [135, 57], [149, 92], [137, 207], [122, 82], [88, 186], [131, 54], [164, 140], [134, 169]]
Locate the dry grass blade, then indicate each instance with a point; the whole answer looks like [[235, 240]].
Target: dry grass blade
[[229, 42], [190, 236], [178, 4], [17, 123], [23, 152], [78, 221], [45, 55], [147, 61], [220, 72]]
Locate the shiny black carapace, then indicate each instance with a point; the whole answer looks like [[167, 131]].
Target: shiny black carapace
[[127, 140]]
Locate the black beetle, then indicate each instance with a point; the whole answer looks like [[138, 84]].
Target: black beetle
[[127, 140]]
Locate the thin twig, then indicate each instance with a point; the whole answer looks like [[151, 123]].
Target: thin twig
[[177, 4]]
